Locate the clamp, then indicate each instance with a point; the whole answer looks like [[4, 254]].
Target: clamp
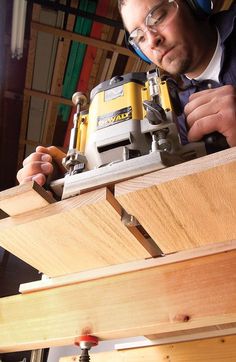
[[86, 343]]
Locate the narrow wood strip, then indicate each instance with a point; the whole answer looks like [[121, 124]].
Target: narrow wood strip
[[81, 38], [81, 277], [46, 96], [24, 198], [178, 338], [28, 84], [217, 350], [57, 80]]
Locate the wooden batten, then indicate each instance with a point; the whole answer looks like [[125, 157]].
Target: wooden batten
[[83, 39], [28, 85], [94, 274], [48, 97], [24, 198], [216, 349], [57, 80]]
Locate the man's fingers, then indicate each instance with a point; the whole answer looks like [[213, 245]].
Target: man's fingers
[[34, 168], [193, 105], [226, 89], [56, 154], [38, 165], [201, 111], [212, 110], [37, 157], [203, 127], [39, 178], [210, 97]]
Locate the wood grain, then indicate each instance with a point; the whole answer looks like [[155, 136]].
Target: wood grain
[[196, 295], [48, 97], [28, 84], [69, 279], [216, 349], [57, 80], [83, 39], [187, 205], [80, 233], [24, 198]]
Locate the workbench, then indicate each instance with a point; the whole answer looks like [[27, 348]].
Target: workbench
[[167, 270]]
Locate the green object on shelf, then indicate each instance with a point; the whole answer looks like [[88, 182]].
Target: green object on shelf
[[77, 52]]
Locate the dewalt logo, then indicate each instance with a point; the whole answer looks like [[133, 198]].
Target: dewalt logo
[[112, 118]]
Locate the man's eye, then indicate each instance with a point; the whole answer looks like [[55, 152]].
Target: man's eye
[[157, 18], [140, 39]]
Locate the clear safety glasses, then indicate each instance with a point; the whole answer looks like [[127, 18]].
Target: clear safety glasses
[[156, 20]]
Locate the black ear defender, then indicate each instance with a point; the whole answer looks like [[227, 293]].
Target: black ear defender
[[141, 54], [202, 8]]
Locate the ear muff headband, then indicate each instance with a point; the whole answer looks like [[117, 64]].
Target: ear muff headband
[[201, 7], [141, 55]]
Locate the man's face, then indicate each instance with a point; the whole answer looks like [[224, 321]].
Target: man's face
[[177, 48]]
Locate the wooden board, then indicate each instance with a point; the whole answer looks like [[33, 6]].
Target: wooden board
[[48, 283], [187, 205], [57, 79], [83, 39], [81, 233], [216, 349], [28, 84], [24, 198], [191, 296]]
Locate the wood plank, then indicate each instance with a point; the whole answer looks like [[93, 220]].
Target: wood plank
[[196, 295], [48, 283], [80, 233], [24, 198], [176, 338], [83, 39], [187, 205], [28, 84], [96, 66], [57, 79], [130, 66], [216, 349], [114, 57], [46, 96], [98, 75]]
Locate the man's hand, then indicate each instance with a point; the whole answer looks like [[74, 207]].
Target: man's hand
[[38, 165], [212, 110]]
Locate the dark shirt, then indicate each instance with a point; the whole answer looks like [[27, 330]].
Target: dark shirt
[[225, 23]]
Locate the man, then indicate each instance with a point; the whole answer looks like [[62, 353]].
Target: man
[[172, 36]]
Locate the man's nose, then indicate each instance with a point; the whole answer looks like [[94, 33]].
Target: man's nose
[[153, 38]]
